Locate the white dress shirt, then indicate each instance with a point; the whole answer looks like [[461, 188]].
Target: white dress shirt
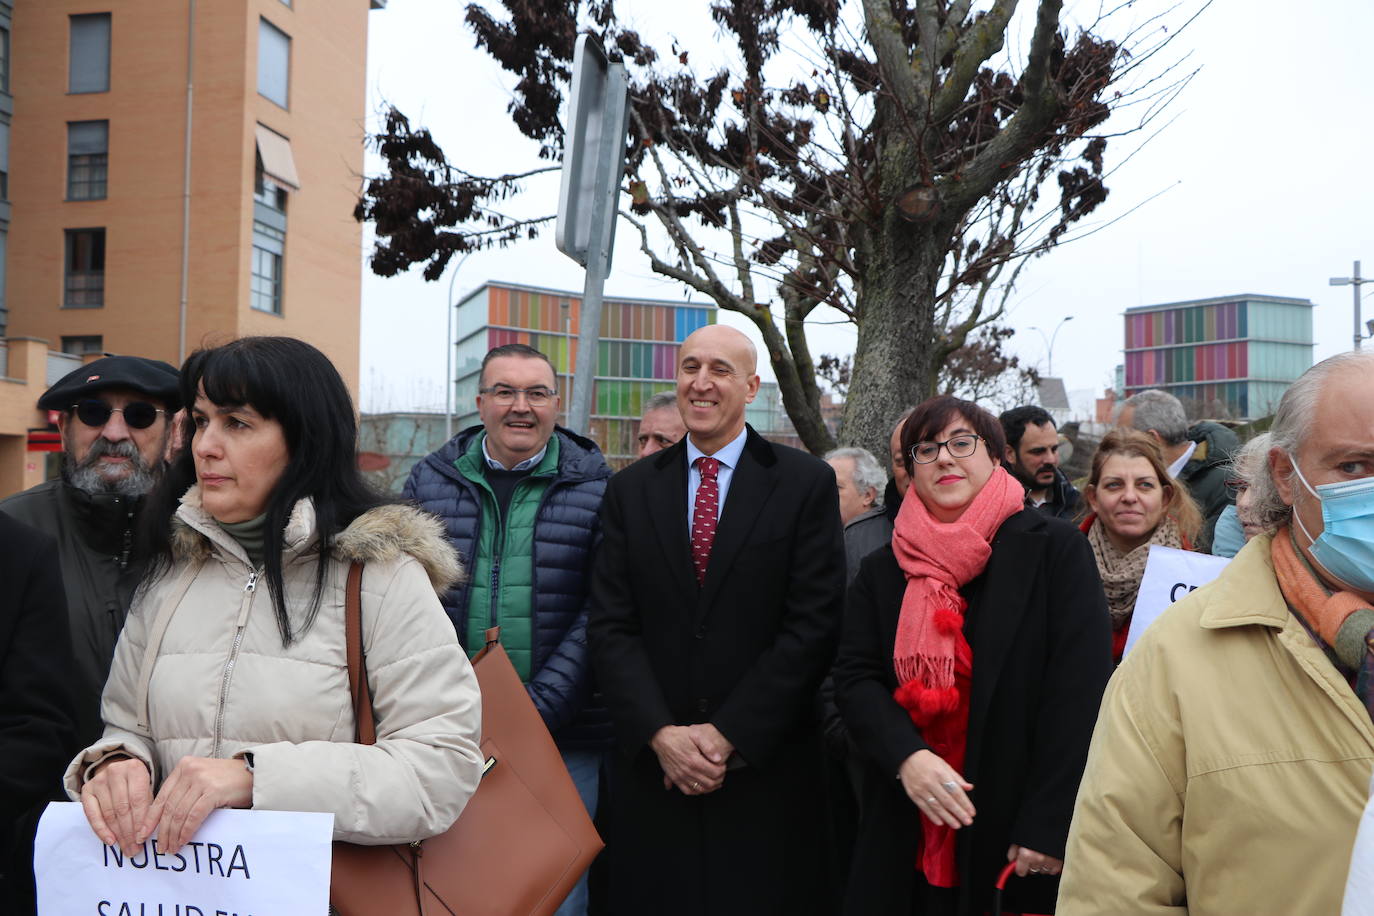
[[728, 456]]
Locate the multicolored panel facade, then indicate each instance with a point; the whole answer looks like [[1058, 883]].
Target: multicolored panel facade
[[636, 356], [1235, 356]]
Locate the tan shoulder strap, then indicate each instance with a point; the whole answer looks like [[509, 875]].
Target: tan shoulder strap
[[155, 634], [363, 717]]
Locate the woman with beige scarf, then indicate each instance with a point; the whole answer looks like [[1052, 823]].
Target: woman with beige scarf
[[1134, 503]]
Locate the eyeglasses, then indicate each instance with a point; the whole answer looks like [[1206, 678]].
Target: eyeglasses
[[505, 395], [959, 447], [137, 414]]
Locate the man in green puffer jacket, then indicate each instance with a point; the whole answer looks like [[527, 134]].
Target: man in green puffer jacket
[[520, 497]]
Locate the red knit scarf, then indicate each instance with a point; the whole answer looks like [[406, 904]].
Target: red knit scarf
[[931, 657]]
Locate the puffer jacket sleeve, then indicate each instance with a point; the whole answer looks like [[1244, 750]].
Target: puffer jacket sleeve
[[118, 705], [414, 782], [1125, 848], [563, 685]]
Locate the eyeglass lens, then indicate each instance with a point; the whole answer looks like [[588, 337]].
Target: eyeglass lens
[[959, 447], [138, 414], [535, 396]]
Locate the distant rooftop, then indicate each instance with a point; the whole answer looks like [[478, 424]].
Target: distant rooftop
[[572, 294], [1217, 300]]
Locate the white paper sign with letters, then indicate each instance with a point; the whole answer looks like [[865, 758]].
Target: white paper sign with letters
[[240, 863], [1170, 574]]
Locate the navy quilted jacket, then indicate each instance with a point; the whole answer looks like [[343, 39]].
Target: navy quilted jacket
[[566, 533]]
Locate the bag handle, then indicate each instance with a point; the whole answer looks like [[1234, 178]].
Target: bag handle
[[363, 715], [365, 720]]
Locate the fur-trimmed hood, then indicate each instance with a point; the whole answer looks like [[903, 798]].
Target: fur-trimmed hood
[[380, 535]]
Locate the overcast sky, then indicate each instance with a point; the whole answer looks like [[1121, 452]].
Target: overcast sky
[[1259, 185]]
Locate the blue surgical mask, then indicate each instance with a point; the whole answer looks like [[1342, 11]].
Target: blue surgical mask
[[1345, 548]]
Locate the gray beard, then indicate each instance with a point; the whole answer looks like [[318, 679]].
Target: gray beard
[[86, 475]]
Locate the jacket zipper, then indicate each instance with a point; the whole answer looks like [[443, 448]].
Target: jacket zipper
[[249, 587]]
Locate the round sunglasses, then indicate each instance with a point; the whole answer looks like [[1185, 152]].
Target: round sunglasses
[[137, 414]]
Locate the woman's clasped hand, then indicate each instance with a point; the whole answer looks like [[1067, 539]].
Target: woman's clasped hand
[[119, 802]]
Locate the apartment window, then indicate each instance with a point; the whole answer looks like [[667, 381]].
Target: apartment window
[[88, 64], [84, 345], [4, 60], [85, 269], [269, 245], [88, 159], [274, 62]]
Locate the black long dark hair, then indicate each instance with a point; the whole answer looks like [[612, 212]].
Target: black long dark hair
[[289, 381]]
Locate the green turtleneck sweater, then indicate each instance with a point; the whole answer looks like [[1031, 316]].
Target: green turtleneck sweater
[[250, 535]]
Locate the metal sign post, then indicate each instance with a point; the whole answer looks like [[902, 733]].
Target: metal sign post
[[593, 165]]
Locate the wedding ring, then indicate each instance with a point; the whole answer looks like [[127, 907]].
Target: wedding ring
[[1036, 871], [696, 786], [931, 800]]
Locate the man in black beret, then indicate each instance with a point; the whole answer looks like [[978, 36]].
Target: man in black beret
[[114, 415]]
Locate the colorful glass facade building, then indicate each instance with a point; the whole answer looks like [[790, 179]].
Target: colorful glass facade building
[[636, 356], [1237, 352]]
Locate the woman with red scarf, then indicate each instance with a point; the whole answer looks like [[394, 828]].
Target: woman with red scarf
[[975, 652]]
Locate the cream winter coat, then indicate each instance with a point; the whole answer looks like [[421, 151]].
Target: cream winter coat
[[1229, 767], [221, 684]]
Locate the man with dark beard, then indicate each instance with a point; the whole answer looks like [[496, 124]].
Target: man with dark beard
[[114, 416], [1033, 459]]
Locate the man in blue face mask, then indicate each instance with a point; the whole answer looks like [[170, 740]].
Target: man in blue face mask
[[1233, 753]]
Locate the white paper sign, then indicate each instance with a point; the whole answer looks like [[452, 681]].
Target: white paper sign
[[240, 863], [1170, 574], [1359, 887]]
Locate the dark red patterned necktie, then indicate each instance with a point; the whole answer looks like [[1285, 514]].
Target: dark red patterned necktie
[[704, 515]]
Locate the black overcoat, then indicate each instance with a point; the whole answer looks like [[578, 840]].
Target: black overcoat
[[37, 720], [745, 651], [1042, 653]]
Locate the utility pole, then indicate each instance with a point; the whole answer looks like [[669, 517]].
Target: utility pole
[[1354, 282]]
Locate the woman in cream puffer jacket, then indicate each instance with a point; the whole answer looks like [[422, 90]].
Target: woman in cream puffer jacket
[[222, 684], [229, 686]]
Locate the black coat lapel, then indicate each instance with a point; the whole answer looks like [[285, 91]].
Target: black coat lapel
[[750, 487], [667, 504], [1002, 603]]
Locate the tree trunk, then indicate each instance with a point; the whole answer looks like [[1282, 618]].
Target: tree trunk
[[897, 304]]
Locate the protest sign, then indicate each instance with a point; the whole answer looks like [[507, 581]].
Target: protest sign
[[240, 863], [1170, 574]]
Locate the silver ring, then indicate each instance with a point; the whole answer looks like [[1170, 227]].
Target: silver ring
[[696, 786], [950, 786], [1036, 871], [931, 800]]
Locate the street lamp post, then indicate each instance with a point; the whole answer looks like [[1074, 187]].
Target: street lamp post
[[1354, 282], [1049, 344], [449, 344]]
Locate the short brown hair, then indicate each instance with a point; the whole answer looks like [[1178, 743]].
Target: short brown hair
[[1132, 443], [934, 414]]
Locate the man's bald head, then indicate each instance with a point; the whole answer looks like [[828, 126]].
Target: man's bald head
[[723, 336], [716, 378]]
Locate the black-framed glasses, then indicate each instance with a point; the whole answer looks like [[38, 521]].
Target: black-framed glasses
[[537, 396], [137, 414], [959, 447]]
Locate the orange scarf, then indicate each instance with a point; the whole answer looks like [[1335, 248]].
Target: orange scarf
[[1323, 610]]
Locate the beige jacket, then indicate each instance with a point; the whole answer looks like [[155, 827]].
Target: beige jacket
[[221, 684], [1229, 766]]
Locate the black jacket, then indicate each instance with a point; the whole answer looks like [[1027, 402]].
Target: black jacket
[[37, 739], [1064, 499], [1205, 475], [566, 533], [745, 651], [100, 571], [1042, 652]]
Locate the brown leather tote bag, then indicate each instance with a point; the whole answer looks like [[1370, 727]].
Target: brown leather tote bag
[[523, 839]]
